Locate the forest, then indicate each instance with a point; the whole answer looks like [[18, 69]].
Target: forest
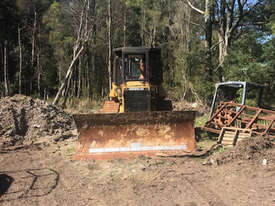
[[65, 47]]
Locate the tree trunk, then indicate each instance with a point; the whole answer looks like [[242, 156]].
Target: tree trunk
[[6, 81], [38, 73], [110, 43], [39, 66], [84, 31], [124, 25], [33, 49], [79, 77], [88, 80], [67, 87], [153, 44], [208, 40], [142, 27], [59, 70], [74, 82], [67, 77], [187, 29], [93, 66], [208, 13], [223, 51], [33, 37], [20, 61]]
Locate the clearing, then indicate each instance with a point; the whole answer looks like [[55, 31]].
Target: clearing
[[36, 168]]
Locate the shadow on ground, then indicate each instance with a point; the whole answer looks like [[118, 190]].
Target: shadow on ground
[[28, 183]]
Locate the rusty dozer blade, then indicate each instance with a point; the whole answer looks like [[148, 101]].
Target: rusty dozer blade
[[126, 135]]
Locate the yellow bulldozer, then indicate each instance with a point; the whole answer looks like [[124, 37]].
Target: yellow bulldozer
[[137, 120], [136, 81]]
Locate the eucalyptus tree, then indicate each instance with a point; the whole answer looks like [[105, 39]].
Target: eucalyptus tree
[[82, 12], [8, 27], [225, 17]]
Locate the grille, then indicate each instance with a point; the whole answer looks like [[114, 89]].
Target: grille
[[136, 100]]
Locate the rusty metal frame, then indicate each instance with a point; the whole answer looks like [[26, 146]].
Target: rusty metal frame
[[229, 114]]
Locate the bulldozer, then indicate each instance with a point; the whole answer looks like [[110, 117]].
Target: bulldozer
[[137, 119], [136, 81]]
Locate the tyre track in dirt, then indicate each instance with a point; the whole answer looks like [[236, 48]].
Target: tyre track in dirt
[[139, 182]]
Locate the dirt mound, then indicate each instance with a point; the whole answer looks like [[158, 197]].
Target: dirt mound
[[255, 149], [24, 120], [187, 106]]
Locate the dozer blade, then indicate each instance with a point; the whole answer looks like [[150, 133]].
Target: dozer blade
[[126, 135]]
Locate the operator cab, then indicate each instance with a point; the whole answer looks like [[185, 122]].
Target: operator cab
[[137, 79], [135, 67], [137, 64]]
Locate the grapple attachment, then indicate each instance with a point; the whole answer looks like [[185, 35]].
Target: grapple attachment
[[126, 135]]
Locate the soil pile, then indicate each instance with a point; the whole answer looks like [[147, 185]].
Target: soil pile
[[24, 121], [255, 149], [187, 106]]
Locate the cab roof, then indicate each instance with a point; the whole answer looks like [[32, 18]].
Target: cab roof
[[136, 50]]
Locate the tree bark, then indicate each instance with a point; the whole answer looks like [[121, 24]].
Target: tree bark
[[187, 28], [67, 90], [93, 64], [208, 40], [110, 43], [124, 25], [34, 37], [6, 81], [79, 77], [20, 61], [67, 77], [229, 21], [142, 27], [39, 71]]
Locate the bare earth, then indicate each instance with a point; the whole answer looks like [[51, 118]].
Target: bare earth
[[48, 176], [38, 141]]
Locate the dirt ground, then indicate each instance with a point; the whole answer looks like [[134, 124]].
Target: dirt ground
[[49, 176], [38, 141]]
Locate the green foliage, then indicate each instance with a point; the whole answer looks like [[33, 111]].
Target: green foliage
[[200, 121], [60, 37], [252, 60], [242, 61], [169, 24], [134, 3]]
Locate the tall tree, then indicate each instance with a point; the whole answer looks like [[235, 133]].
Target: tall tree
[[83, 34], [110, 46], [6, 80], [8, 19]]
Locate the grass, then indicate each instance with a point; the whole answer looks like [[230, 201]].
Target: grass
[[80, 105], [200, 121], [221, 150], [70, 150], [205, 143]]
